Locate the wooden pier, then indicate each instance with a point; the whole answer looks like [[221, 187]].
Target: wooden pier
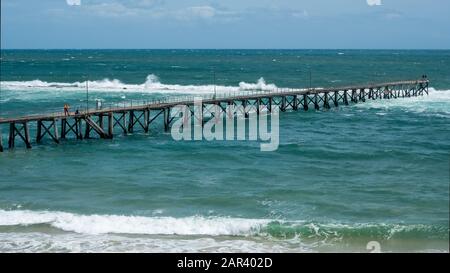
[[102, 123]]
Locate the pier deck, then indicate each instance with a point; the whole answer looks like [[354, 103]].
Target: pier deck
[[128, 117]]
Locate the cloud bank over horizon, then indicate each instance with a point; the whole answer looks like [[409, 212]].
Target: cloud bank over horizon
[[224, 24]]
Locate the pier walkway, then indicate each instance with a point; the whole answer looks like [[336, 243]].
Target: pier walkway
[[57, 126]]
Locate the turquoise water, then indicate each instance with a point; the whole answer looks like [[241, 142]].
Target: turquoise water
[[374, 171]]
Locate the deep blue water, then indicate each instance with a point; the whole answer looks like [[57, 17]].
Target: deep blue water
[[341, 177]]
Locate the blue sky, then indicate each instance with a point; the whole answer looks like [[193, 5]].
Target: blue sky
[[408, 24]]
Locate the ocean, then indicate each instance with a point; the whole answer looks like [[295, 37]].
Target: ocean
[[341, 178]]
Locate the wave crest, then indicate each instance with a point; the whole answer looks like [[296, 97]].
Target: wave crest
[[152, 84], [103, 224], [216, 226]]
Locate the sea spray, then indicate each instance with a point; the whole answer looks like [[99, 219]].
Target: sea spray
[[151, 85]]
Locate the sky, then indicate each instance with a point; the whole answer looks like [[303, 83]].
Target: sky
[[292, 24]]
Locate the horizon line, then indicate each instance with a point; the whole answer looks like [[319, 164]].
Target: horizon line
[[187, 48]]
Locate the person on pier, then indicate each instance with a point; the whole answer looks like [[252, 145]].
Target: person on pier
[[66, 110]]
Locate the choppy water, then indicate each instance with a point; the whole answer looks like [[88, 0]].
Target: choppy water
[[341, 178]]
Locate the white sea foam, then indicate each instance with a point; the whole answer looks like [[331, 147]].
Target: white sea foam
[[152, 84], [116, 233], [437, 102], [72, 242], [103, 224]]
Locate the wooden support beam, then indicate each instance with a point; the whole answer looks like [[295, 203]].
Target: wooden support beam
[[295, 103], [55, 130], [98, 124], [75, 127], [345, 97], [91, 123], [131, 121], [111, 125], [27, 135], [244, 106], [258, 105], [283, 103], [325, 101], [39, 131], [121, 121], [87, 129], [395, 92], [124, 120], [362, 94], [78, 128], [336, 98], [14, 131], [63, 128], [146, 120], [305, 102], [316, 102], [1, 141], [43, 130], [12, 135], [167, 117], [354, 96], [270, 105], [100, 120]]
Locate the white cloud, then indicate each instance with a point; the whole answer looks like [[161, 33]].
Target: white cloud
[[73, 2], [154, 9], [203, 11], [300, 14], [196, 12], [374, 2], [112, 10]]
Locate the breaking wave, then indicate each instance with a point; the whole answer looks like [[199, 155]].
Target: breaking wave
[[152, 84], [437, 102], [214, 226]]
